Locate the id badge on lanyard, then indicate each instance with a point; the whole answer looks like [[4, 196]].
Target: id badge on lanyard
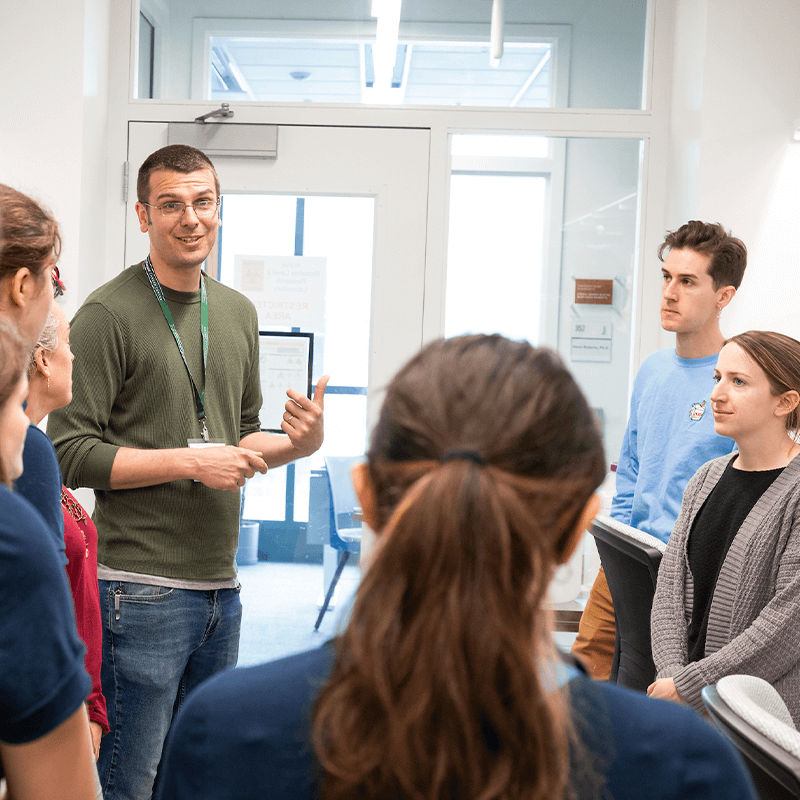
[[199, 397]]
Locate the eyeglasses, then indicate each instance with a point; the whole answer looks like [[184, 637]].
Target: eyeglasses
[[58, 285], [203, 208]]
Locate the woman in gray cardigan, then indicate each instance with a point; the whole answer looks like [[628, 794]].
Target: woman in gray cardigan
[[728, 595]]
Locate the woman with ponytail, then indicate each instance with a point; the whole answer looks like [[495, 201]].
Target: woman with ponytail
[[480, 480]]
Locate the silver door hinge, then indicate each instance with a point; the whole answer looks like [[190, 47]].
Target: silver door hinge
[[126, 168]]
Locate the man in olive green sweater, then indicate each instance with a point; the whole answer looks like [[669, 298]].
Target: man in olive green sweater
[[165, 358]]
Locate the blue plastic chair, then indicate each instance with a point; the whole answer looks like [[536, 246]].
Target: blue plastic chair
[[345, 530]]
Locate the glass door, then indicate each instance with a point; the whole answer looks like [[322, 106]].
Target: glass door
[[327, 241]]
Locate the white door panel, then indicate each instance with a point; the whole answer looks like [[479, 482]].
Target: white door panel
[[388, 164]]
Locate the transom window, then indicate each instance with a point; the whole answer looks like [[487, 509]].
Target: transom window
[[334, 71]]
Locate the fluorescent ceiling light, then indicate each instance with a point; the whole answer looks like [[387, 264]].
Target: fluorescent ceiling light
[[385, 50], [496, 40]]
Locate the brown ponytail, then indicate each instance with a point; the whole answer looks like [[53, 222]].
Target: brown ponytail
[[441, 686]]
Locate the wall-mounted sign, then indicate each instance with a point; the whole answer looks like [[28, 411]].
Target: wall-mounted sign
[[287, 291], [590, 341], [595, 292], [592, 328], [590, 349]]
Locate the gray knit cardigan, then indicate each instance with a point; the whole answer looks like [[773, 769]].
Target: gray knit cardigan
[[754, 620]]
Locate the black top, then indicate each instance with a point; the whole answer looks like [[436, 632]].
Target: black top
[[712, 533], [42, 679]]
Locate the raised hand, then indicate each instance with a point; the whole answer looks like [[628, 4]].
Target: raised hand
[[303, 419]]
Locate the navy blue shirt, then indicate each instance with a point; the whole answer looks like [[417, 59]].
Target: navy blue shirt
[[245, 733], [42, 678], [40, 484]]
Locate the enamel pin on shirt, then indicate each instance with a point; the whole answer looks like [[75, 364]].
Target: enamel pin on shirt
[[697, 410]]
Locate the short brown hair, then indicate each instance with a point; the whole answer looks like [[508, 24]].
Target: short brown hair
[[13, 363], [779, 356], [173, 158], [29, 234], [728, 254]]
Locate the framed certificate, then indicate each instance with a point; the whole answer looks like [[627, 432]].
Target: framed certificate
[[285, 363]]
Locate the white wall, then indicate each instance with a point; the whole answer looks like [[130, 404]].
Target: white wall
[[42, 97], [54, 59], [54, 93], [94, 152], [736, 94]]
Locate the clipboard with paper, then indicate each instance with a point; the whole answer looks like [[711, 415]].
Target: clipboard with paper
[[285, 359]]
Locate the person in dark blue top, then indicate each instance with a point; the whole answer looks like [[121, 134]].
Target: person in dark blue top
[[40, 484], [45, 749], [479, 482]]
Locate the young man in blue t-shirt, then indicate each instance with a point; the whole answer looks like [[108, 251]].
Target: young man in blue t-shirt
[[670, 432]]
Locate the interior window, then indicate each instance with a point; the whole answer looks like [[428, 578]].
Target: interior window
[[557, 54], [542, 244]]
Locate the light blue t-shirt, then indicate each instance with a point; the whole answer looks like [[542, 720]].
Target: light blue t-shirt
[[670, 435]]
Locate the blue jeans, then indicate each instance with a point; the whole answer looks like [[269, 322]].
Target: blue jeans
[[158, 644]]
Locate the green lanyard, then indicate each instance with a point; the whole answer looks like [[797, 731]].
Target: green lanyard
[[199, 397]]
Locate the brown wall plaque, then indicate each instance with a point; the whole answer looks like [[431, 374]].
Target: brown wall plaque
[[594, 292]]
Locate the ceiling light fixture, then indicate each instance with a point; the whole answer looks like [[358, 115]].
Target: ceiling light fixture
[[384, 52], [496, 35]]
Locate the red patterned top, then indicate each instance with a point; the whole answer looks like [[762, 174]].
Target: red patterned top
[[80, 538]]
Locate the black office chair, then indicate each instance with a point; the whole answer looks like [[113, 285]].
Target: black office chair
[[630, 560], [751, 714]]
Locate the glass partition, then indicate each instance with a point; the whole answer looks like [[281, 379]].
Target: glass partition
[[288, 508], [558, 53], [542, 246], [145, 54], [338, 230]]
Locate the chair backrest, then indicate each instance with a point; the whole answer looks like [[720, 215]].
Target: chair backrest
[[630, 559], [343, 502], [753, 716]]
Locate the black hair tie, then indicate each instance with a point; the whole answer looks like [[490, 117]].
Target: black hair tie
[[463, 455]]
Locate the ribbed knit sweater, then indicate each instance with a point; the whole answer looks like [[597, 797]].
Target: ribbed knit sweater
[[130, 389], [754, 619]]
